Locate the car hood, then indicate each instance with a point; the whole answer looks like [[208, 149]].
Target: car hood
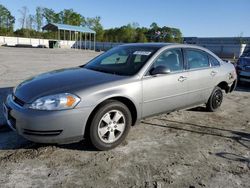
[[61, 81]]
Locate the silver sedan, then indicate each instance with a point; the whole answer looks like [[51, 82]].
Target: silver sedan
[[104, 98]]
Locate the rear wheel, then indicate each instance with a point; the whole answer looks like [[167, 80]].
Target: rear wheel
[[110, 125], [215, 100]]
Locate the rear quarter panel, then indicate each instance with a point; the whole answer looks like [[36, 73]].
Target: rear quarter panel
[[224, 73]]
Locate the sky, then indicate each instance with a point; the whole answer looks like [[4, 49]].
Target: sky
[[200, 18]]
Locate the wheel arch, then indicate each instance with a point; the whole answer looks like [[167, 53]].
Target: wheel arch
[[224, 86], [126, 101]]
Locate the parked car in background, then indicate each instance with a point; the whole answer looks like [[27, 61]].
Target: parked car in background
[[104, 98], [243, 67]]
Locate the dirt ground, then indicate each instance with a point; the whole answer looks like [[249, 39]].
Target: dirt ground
[[188, 148]]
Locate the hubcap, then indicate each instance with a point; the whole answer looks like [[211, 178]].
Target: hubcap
[[111, 126], [217, 99]]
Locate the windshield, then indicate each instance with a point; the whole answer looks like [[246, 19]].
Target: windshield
[[123, 60]]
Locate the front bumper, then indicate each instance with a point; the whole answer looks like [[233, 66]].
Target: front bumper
[[60, 127]]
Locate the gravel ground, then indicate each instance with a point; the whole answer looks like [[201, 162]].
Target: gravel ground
[[188, 148]]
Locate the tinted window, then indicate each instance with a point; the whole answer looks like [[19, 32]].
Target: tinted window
[[123, 60], [172, 59], [196, 59], [214, 61]]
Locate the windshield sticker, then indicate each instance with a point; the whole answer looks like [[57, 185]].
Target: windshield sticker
[[142, 53]]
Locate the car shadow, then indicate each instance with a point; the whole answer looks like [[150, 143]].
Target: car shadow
[[234, 157], [198, 109], [10, 140], [4, 92], [243, 138]]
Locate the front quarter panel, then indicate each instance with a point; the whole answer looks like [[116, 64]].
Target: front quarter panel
[[128, 88]]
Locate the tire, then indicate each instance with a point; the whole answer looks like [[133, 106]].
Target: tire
[[215, 100], [110, 125]]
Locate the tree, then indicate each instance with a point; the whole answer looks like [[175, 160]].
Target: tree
[[70, 17], [24, 13], [39, 18], [140, 37], [6, 20], [30, 22], [154, 26], [95, 24], [50, 16]]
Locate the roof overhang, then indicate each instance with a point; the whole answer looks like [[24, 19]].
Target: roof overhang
[[65, 27]]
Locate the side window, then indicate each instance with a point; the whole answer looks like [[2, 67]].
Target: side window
[[172, 59], [214, 61], [197, 59]]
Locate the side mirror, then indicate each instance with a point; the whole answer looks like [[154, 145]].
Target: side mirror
[[159, 70]]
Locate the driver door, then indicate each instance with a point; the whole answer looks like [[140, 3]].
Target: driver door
[[165, 92]]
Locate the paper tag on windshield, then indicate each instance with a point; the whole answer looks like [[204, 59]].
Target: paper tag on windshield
[[142, 53]]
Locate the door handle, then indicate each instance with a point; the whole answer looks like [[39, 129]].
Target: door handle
[[182, 78], [213, 73]]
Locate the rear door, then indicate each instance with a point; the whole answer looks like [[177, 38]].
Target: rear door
[[201, 75], [166, 92]]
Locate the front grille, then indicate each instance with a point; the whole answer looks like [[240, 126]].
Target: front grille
[[42, 133], [18, 101]]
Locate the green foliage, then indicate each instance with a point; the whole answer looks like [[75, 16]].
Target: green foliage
[[27, 33], [32, 24], [95, 24], [39, 18], [6, 21], [68, 16], [140, 37], [130, 33]]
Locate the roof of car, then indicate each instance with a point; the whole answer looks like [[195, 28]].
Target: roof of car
[[162, 45], [150, 44], [159, 45]]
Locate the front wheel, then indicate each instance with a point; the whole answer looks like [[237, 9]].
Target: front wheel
[[110, 125], [215, 100]]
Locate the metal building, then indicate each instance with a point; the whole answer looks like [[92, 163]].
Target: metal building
[[83, 37]]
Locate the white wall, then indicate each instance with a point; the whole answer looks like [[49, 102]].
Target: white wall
[[66, 44], [12, 41]]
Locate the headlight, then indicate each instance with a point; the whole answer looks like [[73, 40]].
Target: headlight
[[55, 102]]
